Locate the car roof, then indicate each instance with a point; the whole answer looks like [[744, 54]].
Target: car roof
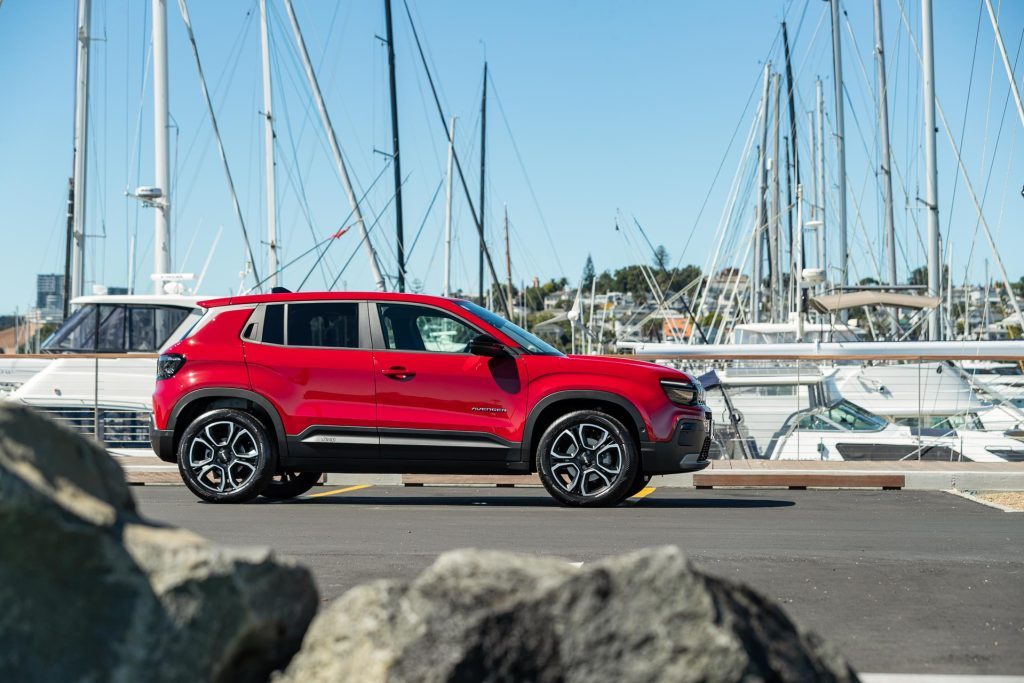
[[325, 296], [139, 299]]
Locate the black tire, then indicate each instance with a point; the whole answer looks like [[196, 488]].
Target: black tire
[[226, 456], [587, 477], [285, 485], [640, 482]]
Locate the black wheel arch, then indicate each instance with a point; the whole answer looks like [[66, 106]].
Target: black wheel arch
[[549, 408], [200, 400]]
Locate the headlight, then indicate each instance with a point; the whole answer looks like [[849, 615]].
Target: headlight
[[684, 393], [168, 364]]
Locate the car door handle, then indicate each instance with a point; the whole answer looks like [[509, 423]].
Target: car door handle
[[398, 372]]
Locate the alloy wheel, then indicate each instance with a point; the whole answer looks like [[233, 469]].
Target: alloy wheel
[[223, 456], [586, 459]]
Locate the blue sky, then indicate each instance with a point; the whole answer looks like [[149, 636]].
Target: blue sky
[[616, 109]]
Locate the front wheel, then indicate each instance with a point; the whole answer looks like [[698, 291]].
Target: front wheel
[[225, 456], [287, 485], [587, 458]]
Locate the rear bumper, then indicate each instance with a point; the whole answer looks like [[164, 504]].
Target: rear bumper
[[162, 441], [686, 451]]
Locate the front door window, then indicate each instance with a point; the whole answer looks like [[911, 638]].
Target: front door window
[[418, 328]]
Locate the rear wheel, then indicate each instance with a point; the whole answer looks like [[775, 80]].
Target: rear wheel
[[286, 485], [225, 456], [587, 458]]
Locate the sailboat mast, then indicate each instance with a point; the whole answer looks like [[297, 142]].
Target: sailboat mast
[[508, 257], [1006, 60], [268, 144], [774, 259], [68, 242], [760, 217], [395, 159], [483, 167], [821, 233], [161, 147], [448, 212], [792, 151], [81, 149], [332, 139], [883, 131], [837, 67], [798, 247], [789, 227], [931, 172]]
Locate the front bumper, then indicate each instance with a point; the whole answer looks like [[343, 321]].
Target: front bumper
[[686, 451], [162, 441]]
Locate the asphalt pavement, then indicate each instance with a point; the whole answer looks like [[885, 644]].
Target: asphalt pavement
[[902, 581]]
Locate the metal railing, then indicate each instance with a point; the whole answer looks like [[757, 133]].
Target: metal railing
[[113, 428], [863, 410], [796, 407]]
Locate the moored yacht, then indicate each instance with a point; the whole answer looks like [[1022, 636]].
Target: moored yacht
[[106, 397]]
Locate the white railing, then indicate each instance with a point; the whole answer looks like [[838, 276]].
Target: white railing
[[954, 401]]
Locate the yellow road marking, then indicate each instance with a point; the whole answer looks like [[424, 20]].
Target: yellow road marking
[[335, 492], [644, 492]]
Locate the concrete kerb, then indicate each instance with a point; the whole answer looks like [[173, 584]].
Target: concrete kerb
[[921, 480], [920, 476], [970, 495]]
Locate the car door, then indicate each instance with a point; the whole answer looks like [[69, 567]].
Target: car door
[[313, 360], [435, 400]]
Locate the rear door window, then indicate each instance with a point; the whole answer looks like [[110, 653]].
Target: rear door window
[[325, 324]]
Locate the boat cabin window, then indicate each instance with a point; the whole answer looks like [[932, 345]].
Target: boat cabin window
[[814, 423], [961, 421], [117, 328], [764, 390], [852, 417]]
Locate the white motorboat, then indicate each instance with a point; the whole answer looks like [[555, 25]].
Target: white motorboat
[[109, 397], [842, 430]]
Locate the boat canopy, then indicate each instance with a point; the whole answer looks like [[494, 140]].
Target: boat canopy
[[827, 303]]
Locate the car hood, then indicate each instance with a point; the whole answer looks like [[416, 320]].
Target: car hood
[[614, 365]]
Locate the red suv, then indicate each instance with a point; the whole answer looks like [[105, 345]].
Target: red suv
[[267, 392]]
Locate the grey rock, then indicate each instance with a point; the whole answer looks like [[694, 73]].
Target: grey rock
[[91, 591], [489, 616]]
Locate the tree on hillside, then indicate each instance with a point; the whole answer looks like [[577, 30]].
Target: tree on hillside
[[588, 273], [919, 276], [661, 258]]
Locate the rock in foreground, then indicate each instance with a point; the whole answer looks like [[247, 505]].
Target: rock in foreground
[[487, 616], [91, 592]]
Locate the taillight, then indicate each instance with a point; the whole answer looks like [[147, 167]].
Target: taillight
[[168, 364]]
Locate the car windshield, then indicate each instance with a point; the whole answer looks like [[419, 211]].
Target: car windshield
[[528, 341]]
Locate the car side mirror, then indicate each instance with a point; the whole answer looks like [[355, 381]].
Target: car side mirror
[[486, 345]]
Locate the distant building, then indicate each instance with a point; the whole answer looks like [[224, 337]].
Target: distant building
[[676, 327], [559, 300], [50, 294]]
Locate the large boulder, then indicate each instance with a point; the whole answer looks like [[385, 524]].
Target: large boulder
[[89, 591], [489, 616]]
